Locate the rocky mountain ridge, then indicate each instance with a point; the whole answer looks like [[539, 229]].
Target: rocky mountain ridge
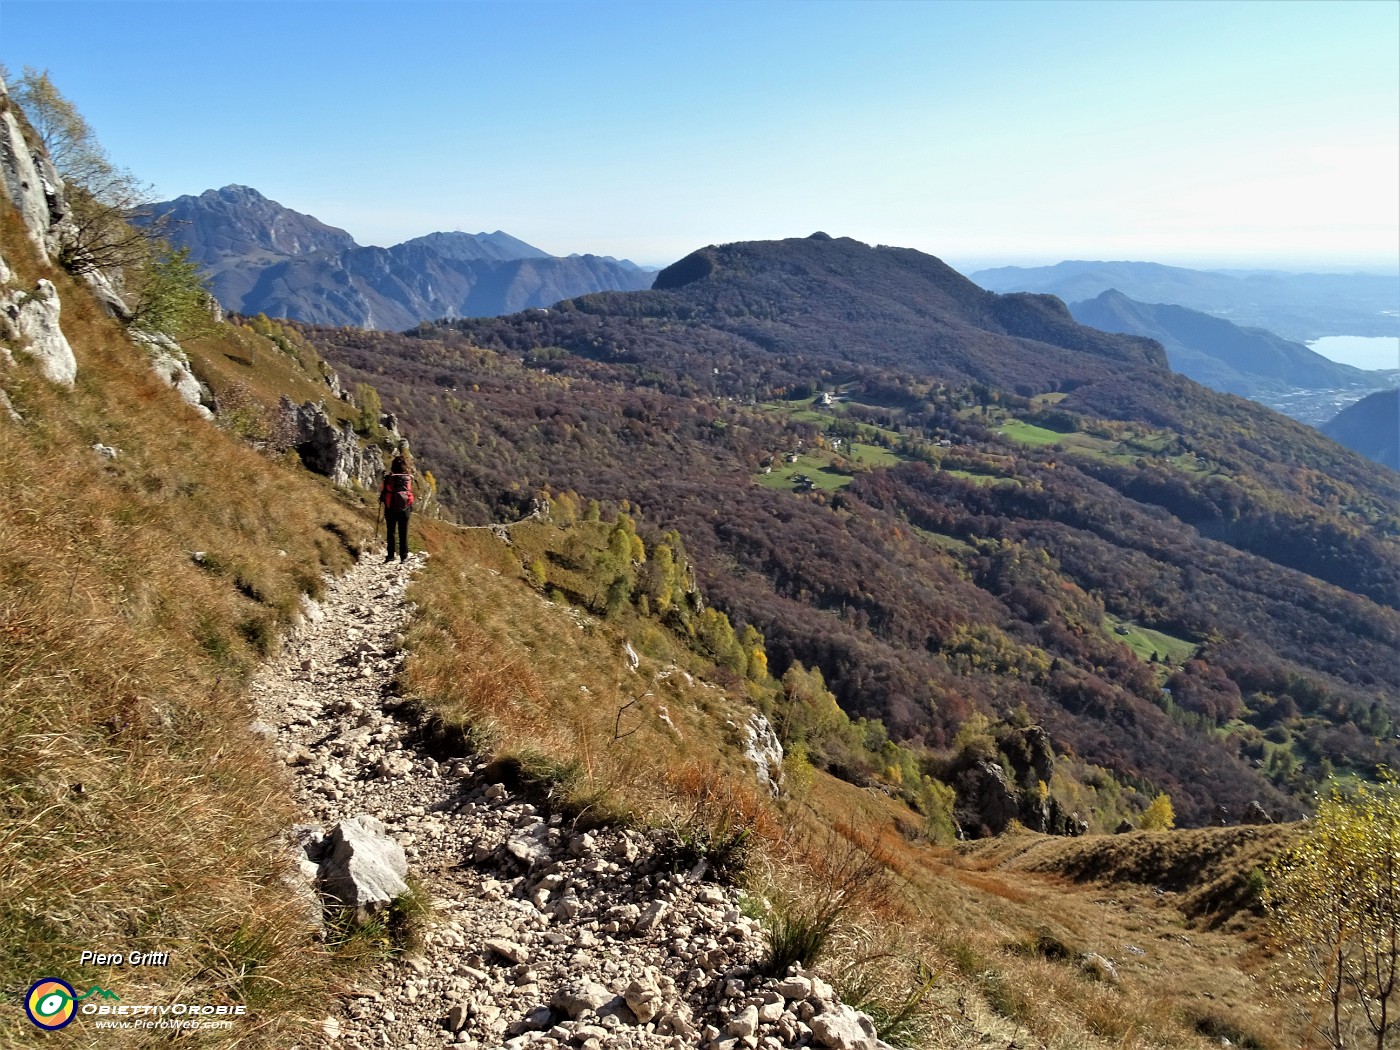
[[261, 257]]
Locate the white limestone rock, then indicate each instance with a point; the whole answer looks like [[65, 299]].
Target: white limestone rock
[[31, 319], [31, 183], [8, 409], [364, 868], [168, 360], [843, 1028], [765, 751]]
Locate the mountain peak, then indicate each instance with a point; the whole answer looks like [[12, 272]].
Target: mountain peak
[[234, 191], [238, 222], [262, 257], [845, 303]]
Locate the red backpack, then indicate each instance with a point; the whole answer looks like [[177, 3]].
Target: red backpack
[[398, 492]]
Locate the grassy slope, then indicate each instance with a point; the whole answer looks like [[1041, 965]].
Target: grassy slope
[[543, 683], [138, 810], [140, 813]]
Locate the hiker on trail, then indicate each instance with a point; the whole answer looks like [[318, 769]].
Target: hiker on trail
[[397, 496]]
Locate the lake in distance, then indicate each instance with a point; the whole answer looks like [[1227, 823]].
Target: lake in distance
[[1360, 351]]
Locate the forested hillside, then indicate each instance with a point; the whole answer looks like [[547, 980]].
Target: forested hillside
[[561, 732], [1371, 427], [1186, 589]]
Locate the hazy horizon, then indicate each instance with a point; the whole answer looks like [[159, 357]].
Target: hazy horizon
[[964, 265], [1216, 134]]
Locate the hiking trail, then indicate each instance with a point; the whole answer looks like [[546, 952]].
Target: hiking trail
[[542, 934]]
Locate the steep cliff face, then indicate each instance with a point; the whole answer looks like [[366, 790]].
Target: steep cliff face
[[31, 182]]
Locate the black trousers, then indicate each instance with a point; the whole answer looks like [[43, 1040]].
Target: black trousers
[[397, 521]]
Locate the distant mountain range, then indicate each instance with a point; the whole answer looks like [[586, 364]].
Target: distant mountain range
[[264, 258], [1371, 427], [1296, 306], [1215, 352]]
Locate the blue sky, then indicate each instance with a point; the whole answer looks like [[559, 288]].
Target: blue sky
[[1255, 133]]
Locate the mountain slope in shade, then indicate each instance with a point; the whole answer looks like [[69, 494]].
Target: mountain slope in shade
[[396, 288], [1300, 306], [1371, 427], [783, 313], [261, 257], [1215, 352]]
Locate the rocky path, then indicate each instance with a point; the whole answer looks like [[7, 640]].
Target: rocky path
[[541, 935]]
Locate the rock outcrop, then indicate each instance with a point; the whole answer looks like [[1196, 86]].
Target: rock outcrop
[[170, 363], [986, 801], [330, 450], [31, 182], [765, 751], [989, 796], [30, 320], [1254, 813]]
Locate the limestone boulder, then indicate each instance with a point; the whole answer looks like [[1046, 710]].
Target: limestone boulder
[[843, 1028], [362, 866], [765, 751]]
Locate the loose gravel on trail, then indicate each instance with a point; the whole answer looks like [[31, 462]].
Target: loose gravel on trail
[[541, 935]]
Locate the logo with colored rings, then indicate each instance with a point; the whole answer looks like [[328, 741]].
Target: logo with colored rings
[[51, 1003]]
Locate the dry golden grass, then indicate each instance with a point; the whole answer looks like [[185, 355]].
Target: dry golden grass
[[992, 935], [1212, 872], [138, 811], [545, 684]]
